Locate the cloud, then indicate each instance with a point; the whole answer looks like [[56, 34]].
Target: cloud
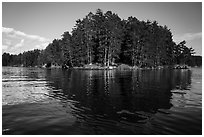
[[187, 37], [7, 30], [42, 46], [18, 45], [7, 42], [41, 39], [4, 47], [14, 33], [14, 41]]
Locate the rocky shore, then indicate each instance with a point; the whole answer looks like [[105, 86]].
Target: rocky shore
[[121, 67]]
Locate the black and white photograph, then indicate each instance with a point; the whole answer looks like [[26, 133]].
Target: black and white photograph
[[101, 68]]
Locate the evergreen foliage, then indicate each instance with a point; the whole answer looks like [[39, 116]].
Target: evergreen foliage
[[105, 39]]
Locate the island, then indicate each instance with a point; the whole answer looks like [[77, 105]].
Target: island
[[105, 41]]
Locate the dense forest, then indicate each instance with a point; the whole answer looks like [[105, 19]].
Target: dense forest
[[104, 39], [29, 58]]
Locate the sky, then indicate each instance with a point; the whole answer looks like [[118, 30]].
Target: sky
[[30, 25]]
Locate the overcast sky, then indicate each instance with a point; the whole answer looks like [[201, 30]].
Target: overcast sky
[[28, 26]]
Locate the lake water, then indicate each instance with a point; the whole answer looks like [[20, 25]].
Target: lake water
[[41, 101]]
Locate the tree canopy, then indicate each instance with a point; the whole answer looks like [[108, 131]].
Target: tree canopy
[[106, 39]]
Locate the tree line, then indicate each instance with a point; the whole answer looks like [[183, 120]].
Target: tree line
[[106, 39], [26, 59]]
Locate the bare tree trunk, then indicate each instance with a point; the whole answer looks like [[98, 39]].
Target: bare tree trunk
[[90, 56], [108, 56], [90, 59], [105, 56], [133, 55], [70, 58], [87, 53]]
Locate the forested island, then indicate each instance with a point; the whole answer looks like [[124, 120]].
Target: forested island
[[105, 40]]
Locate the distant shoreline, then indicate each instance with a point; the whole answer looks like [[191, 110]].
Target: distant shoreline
[[120, 67]]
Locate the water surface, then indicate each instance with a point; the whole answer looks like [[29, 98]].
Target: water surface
[[41, 101]]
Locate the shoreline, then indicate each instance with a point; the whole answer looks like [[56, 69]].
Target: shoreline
[[121, 67], [124, 67]]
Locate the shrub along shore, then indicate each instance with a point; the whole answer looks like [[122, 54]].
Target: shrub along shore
[[121, 67]]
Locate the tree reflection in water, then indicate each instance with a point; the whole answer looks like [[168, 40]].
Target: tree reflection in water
[[117, 95]]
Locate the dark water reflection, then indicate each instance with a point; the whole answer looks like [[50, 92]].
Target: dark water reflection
[[105, 102]]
